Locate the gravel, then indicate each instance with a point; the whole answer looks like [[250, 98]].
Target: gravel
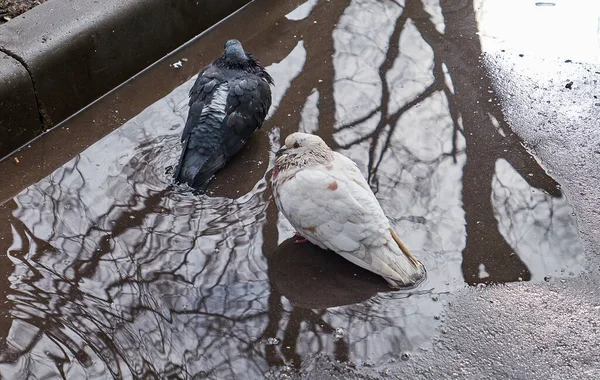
[[10, 9]]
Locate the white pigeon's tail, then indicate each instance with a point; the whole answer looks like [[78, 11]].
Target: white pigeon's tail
[[408, 271]]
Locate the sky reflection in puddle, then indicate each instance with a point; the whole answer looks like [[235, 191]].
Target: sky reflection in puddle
[[117, 272]]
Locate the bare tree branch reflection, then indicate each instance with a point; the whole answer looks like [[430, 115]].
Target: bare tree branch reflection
[[141, 262], [472, 117], [116, 272]]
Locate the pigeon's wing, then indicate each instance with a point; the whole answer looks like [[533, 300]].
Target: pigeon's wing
[[345, 169], [247, 105], [201, 154], [333, 209], [225, 108], [201, 93]]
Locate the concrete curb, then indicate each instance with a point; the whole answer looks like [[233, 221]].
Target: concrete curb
[[19, 119], [72, 52]]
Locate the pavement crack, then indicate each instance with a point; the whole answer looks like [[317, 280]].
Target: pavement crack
[[42, 114]]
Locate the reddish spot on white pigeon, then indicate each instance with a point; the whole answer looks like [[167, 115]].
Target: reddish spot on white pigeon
[[328, 201]]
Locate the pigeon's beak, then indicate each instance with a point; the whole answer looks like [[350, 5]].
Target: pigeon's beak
[[281, 152]]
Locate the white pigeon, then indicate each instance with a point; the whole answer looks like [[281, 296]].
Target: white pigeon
[[327, 200]]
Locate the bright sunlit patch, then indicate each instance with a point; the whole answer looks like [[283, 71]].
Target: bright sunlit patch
[[284, 73], [302, 12], [566, 29], [482, 272]]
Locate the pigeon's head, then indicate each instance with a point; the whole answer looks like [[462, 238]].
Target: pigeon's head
[[234, 52], [236, 58], [303, 148], [298, 143]]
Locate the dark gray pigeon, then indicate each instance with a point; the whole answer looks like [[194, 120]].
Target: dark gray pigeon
[[228, 102]]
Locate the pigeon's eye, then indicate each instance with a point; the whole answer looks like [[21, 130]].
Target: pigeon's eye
[[296, 145]]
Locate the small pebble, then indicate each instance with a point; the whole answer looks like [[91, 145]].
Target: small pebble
[[272, 341]]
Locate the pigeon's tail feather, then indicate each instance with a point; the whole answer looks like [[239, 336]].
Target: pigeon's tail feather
[[196, 167], [407, 270], [189, 163], [394, 283], [404, 248], [398, 284]]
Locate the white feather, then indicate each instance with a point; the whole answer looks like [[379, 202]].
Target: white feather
[[216, 106]]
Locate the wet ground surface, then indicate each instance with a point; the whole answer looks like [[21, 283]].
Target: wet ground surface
[[112, 272]]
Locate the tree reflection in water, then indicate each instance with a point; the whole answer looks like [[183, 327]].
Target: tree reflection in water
[[115, 272]]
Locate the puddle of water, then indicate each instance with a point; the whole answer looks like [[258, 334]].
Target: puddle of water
[[116, 272]]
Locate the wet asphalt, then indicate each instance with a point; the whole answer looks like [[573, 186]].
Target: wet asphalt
[[469, 92]]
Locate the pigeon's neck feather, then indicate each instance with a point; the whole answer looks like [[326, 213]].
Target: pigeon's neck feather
[[249, 65], [319, 155]]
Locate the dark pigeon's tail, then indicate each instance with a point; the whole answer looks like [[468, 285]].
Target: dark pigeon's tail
[[197, 166]]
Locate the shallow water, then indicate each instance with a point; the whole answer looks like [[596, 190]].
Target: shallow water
[[117, 273]]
